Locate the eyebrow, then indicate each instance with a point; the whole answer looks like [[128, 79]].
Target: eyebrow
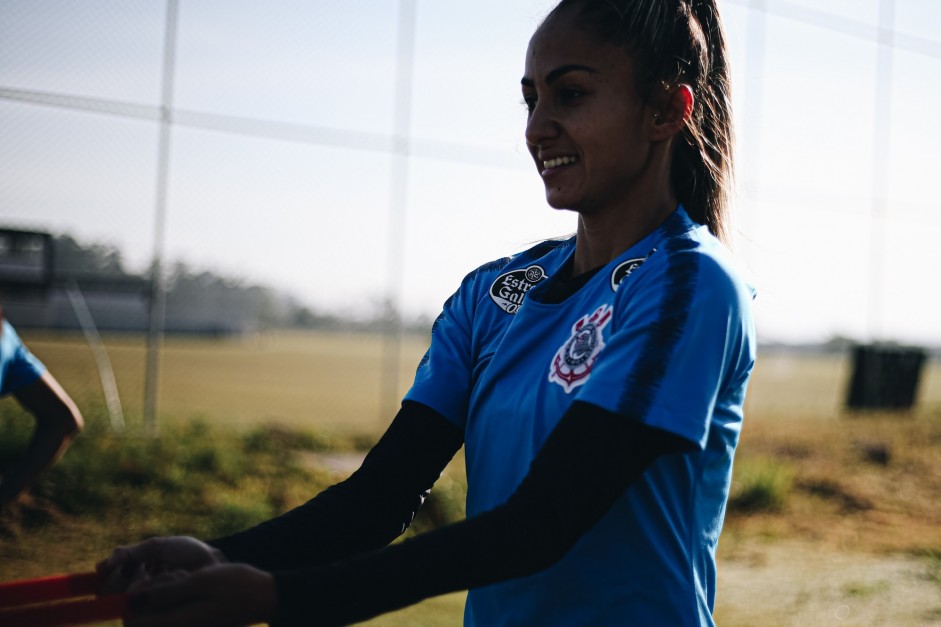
[[555, 74]]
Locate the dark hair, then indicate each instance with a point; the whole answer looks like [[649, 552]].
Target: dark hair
[[672, 42]]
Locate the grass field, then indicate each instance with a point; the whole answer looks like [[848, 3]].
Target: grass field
[[332, 381], [323, 380], [834, 517]]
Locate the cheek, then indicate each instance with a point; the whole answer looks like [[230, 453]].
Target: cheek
[[630, 142]]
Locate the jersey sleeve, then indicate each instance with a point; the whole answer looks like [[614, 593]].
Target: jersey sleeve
[[682, 339], [18, 366], [445, 374]]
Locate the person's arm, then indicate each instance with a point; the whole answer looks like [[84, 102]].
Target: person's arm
[[588, 461], [367, 511], [375, 505], [58, 420]]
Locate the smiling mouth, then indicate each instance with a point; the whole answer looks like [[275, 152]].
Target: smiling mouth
[[558, 162]]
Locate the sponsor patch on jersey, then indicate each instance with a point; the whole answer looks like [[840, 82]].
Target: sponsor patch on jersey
[[510, 288], [624, 269], [573, 362]]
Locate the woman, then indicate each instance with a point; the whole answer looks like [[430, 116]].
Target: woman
[[597, 383]]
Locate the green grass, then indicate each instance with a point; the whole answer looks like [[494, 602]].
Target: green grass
[[760, 485], [865, 589], [195, 479]]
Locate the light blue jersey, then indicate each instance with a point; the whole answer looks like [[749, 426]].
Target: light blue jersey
[[662, 335], [18, 366]]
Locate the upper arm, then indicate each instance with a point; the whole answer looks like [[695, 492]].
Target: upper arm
[[681, 337], [444, 376], [18, 366]]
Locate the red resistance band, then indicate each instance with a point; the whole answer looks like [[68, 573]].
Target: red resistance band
[[42, 602]]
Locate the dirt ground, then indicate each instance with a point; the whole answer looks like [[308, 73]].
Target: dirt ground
[[790, 582]]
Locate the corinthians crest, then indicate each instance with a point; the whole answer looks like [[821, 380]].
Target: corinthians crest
[[572, 363]]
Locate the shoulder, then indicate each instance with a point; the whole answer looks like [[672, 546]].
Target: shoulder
[[18, 366], [9, 342], [540, 257], [689, 279], [695, 260]]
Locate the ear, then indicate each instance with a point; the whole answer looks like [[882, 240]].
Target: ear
[[672, 116]]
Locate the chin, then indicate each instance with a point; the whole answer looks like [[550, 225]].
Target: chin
[[561, 204], [558, 201]]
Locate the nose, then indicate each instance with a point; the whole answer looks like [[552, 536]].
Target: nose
[[540, 127]]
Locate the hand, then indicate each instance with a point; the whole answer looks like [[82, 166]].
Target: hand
[[155, 557], [221, 595]]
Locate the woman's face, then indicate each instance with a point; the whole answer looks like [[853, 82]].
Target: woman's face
[[587, 128]]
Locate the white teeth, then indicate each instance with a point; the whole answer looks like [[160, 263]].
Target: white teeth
[[554, 163]]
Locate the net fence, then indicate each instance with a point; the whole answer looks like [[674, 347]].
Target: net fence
[[281, 196]]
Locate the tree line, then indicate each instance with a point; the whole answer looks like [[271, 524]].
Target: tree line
[[213, 299]]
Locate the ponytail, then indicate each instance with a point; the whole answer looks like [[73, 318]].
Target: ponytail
[[701, 172], [679, 41]]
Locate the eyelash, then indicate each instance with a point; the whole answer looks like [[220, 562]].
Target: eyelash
[[566, 97]]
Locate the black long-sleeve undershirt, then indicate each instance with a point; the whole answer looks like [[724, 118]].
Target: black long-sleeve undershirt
[[368, 510], [589, 459]]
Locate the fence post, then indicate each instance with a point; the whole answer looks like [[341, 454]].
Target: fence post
[[158, 297]]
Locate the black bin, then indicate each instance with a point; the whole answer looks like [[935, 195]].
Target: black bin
[[885, 376]]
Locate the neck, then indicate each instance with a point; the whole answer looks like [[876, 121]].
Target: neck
[[603, 235]]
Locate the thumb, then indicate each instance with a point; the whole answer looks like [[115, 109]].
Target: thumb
[[118, 570]]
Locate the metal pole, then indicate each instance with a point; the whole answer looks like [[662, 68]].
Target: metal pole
[[753, 74], [881, 147], [158, 297], [109, 386], [398, 201]]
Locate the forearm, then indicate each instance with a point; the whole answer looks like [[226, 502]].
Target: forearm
[[365, 512], [334, 524], [557, 502]]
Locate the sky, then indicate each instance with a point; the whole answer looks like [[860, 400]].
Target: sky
[[299, 193]]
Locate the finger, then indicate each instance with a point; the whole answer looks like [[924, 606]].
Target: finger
[[112, 562], [147, 580], [140, 579], [150, 552], [126, 559], [161, 594], [115, 572]]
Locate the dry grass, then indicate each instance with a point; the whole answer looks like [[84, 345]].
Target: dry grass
[[863, 481], [327, 381]]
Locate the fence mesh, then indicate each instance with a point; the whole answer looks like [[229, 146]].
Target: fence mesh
[[298, 197]]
